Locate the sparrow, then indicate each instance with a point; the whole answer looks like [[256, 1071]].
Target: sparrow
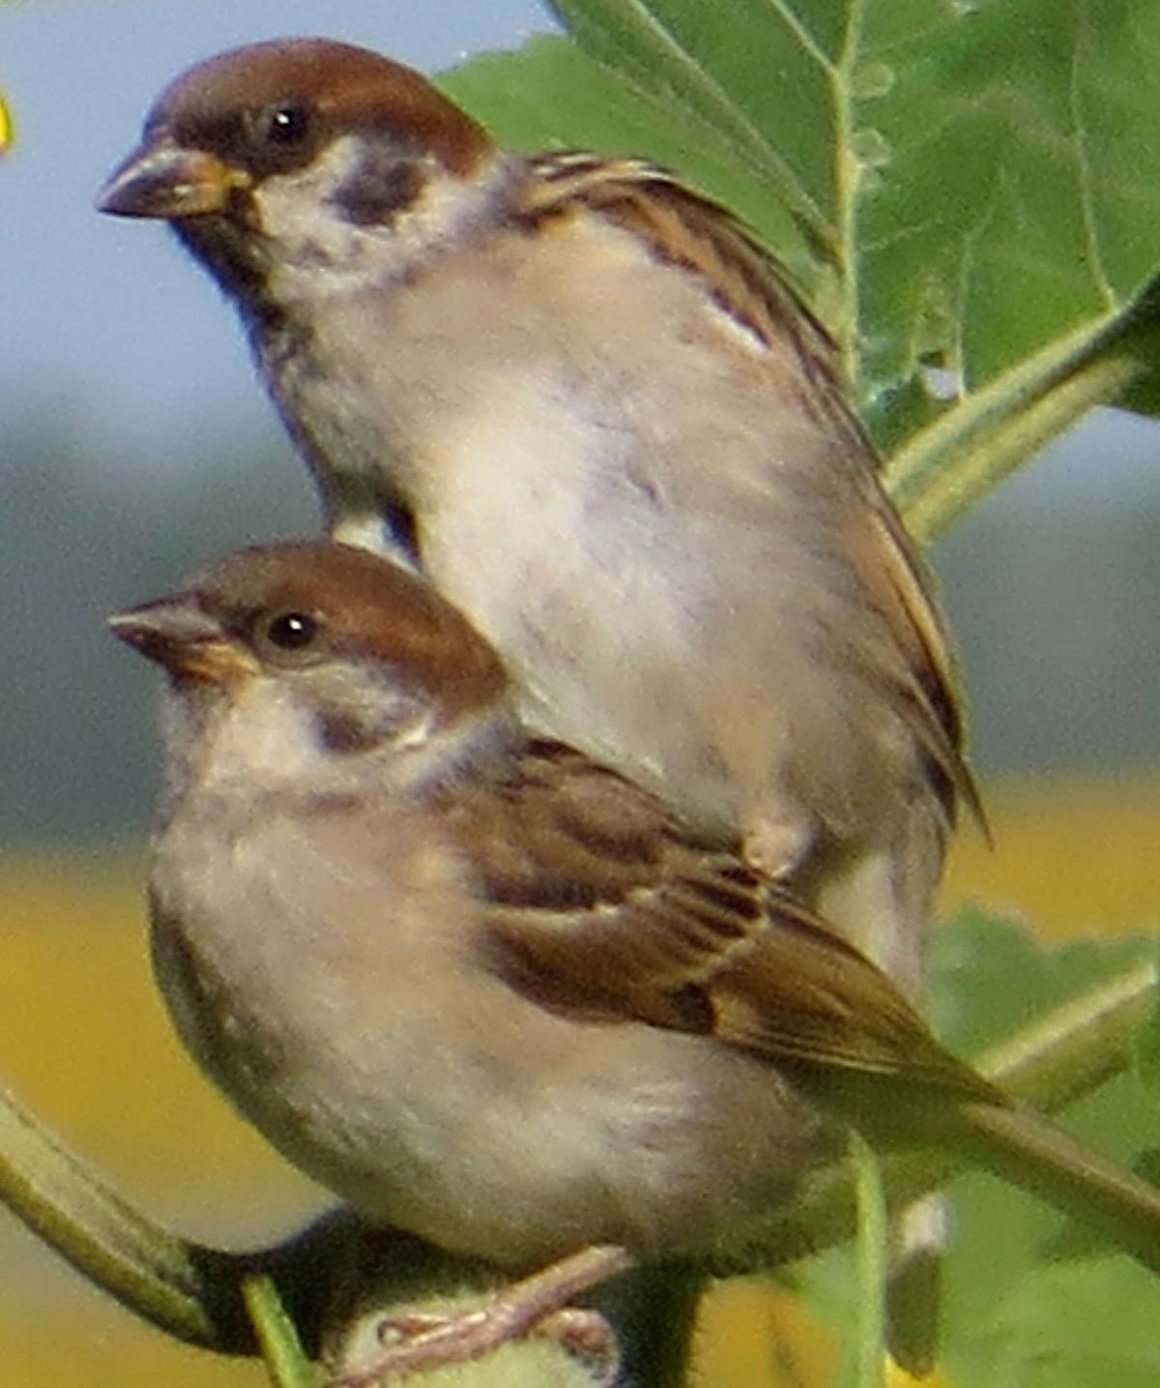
[[593, 410], [488, 990]]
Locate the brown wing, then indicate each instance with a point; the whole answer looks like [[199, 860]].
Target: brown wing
[[890, 567], [606, 910], [752, 286]]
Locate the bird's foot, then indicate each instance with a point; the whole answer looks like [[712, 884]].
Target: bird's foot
[[411, 1342]]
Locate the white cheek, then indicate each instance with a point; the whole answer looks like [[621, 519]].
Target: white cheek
[[304, 229], [318, 250], [260, 737]]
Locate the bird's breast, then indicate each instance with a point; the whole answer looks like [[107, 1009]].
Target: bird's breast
[[326, 988]]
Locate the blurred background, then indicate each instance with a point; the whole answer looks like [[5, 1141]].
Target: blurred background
[[134, 444]]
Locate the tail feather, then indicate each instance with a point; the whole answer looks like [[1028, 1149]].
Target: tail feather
[[1045, 1161]]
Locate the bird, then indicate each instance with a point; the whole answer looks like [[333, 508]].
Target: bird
[[490, 991], [587, 403]]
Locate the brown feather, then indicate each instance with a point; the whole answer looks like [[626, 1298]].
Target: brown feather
[[609, 910]]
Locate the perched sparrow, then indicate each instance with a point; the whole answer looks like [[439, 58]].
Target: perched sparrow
[[592, 410], [489, 991]]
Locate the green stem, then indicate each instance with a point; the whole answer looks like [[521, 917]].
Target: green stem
[[154, 1273], [286, 1363], [1078, 1045], [947, 468], [870, 1256]]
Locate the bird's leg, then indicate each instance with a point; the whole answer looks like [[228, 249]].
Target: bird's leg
[[408, 1342]]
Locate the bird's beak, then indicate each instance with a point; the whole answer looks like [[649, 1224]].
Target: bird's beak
[[189, 643], [161, 179]]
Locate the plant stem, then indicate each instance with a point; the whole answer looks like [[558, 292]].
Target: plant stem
[[947, 468], [286, 1363], [870, 1254]]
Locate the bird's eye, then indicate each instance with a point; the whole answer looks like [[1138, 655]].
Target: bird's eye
[[288, 124], [290, 632]]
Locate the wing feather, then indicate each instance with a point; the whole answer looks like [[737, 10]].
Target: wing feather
[[677, 932]]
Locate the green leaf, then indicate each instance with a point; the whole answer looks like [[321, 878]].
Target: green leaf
[[1067, 1325], [552, 94], [752, 75], [986, 174], [990, 975]]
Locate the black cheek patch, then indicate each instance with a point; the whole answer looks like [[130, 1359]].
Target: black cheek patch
[[344, 733], [378, 190]]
